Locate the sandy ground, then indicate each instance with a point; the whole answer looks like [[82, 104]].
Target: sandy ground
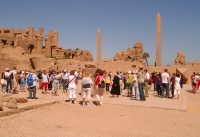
[[61, 120]]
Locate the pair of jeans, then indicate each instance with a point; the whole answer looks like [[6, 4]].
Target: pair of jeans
[[64, 84], [135, 91], [9, 83], [22, 84], [165, 86], [141, 90], [32, 92], [3, 88], [172, 89], [158, 88], [155, 85]]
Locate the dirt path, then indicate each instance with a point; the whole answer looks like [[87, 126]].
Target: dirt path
[[108, 120]]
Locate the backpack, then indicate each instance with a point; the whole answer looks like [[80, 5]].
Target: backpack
[[102, 82], [30, 80]]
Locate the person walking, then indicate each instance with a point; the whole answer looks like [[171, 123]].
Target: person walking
[[172, 80], [55, 84], [107, 80], [8, 76], [3, 82], [146, 82], [165, 84], [135, 84], [195, 83], [86, 89], [45, 81], [39, 79], [65, 76], [159, 85], [129, 83], [141, 83], [177, 87], [115, 90], [100, 85], [32, 80], [72, 81], [22, 81], [181, 80]]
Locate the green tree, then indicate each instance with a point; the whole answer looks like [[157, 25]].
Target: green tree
[[145, 55], [77, 48]]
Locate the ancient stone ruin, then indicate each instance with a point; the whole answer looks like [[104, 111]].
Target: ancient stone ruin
[[24, 48], [133, 55], [180, 59], [82, 55]]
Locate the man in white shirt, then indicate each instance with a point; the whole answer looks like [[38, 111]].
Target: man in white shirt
[[165, 83], [45, 81], [146, 82], [64, 80], [8, 78], [32, 88]]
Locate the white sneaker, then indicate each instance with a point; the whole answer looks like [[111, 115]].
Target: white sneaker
[[84, 105], [88, 105], [74, 102], [70, 102]]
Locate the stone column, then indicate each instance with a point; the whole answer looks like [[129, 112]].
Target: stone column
[[47, 46], [158, 41], [39, 44], [30, 33], [98, 45]]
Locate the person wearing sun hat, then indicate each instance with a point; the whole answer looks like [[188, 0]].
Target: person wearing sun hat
[[140, 78], [128, 83], [86, 89], [8, 77]]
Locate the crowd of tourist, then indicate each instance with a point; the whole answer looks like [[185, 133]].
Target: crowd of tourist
[[137, 83]]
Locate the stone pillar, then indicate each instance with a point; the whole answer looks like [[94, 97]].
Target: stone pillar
[[47, 46], [98, 45], [30, 33], [39, 44], [39, 39], [158, 41], [55, 38]]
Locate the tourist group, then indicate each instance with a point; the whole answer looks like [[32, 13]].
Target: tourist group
[[137, 83]]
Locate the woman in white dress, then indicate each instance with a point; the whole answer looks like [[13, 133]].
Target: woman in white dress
[[177, 87], [72, 81]]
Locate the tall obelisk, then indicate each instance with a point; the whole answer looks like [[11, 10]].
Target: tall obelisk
[[98, 45], [158, 41]]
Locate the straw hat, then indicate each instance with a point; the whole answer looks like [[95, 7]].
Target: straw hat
[[129, 72], [7, 69], [86, 74], [134, 72]]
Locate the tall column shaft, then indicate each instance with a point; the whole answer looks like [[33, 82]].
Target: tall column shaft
[[158, 41], [98, 45]]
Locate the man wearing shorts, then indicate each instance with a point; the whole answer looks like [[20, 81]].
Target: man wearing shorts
[[45, 82]]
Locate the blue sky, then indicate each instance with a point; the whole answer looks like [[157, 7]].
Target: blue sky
[[122, 24]]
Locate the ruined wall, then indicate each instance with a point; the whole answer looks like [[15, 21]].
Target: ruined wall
[[180, 59], [82, 55], [133, 55]]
